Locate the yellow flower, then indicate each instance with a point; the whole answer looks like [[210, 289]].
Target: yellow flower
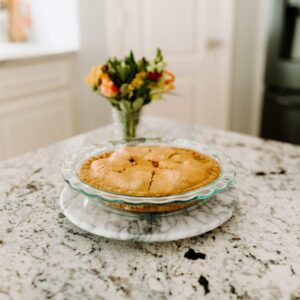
[[93, 78], [137, 81], [155, 93]]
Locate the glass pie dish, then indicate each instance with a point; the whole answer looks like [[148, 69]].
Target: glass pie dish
[[72, 165]]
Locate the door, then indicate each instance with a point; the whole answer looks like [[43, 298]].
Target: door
[[196, 39]]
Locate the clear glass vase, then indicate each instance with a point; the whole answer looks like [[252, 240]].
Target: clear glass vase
[[126, 123]]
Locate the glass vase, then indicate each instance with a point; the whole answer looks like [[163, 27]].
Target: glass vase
[[126, 123]]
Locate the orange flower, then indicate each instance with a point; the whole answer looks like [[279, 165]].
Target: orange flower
[[107, 87], [168, 81], [93, 78]]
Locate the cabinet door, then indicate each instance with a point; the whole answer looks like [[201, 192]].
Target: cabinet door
[[196, 39], [34, 122], [33, 78]]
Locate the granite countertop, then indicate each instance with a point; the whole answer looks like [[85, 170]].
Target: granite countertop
[[255, 255]]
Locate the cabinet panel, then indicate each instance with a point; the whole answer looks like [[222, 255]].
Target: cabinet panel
[[21, 80], [34, 122]]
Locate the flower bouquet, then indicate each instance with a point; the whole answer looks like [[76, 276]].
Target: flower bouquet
[[129, 85]]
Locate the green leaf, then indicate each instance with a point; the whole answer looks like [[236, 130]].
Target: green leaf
[[122, 72], [143, 90], [142, 64], [147, 100], [124, 89], [159, 56], [114, 101], [130, 60], [115, 78], [125, 105], [138, 103]]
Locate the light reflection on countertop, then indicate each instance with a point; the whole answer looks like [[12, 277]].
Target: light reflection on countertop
[[19, 51]]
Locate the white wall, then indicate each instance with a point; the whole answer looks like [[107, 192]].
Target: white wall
[[93, 111], [54, 22]]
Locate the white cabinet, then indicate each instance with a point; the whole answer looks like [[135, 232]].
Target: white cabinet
[[196, 39], [36, 104]]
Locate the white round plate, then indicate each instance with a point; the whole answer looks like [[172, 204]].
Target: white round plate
[[90, 215]]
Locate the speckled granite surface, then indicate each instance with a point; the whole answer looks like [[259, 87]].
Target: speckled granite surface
[[255, 255]]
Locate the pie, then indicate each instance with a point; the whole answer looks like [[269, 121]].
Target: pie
[[149, 171]]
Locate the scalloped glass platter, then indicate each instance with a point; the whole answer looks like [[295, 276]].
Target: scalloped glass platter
[[73, 163], [94, 217]]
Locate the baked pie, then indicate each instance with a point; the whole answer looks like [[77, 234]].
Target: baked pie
[[149, 171]]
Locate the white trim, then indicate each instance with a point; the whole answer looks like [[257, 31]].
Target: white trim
[[260, 55], [228, 23]]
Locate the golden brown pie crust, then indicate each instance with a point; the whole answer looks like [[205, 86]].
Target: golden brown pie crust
[[149, 171], [151, 208]]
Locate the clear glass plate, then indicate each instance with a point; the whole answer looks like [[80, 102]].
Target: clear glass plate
[[73, 163]]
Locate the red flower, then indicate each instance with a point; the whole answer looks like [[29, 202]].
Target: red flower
[[154, 76]]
